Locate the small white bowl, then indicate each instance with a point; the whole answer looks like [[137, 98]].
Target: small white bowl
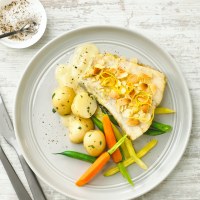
[[19, 44]]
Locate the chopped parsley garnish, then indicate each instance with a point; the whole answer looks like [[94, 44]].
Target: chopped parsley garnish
[[100, 142], [53, 110], [53, 95], [92, 146], [80, 127]]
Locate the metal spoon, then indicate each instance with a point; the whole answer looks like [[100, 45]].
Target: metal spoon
[[29, 27]]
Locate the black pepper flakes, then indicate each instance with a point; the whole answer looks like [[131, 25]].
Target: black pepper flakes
[[15, 15]]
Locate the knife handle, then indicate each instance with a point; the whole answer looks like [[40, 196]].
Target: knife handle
[[17, 184], [32, 180]]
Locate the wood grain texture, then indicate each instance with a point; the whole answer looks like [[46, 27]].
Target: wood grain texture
[[175, 25]]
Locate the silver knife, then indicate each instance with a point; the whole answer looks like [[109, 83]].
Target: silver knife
[[16, 182], [7, 130]]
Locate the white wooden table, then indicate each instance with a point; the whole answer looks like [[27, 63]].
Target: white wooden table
[[174, 24]]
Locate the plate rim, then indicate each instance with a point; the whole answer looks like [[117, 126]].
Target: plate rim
[[178, 158]]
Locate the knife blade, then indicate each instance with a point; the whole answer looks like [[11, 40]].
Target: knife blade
[[6, 125], [7, 131], [16, 182]]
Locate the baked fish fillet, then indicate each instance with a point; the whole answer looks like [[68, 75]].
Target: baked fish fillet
[[129, 90]]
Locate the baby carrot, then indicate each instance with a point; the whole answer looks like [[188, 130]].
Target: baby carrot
[[98, 164], [110, 138], [94, 169]]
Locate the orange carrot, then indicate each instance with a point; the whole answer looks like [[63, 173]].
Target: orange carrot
[[99, 164], [94, 169], [110, 138]]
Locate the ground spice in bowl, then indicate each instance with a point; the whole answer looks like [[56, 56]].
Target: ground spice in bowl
[[15, 15]]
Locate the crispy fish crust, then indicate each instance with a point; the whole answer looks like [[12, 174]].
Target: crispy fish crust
[[110, 77]]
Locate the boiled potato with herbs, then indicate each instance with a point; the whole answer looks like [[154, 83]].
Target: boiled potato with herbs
[[66, 120], [84, 105], [94, 142], [78, 127], [62, 99], [63, 75]]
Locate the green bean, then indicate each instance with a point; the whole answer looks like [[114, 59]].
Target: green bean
[[78, 155], [125, 173], [154, 132], [97, 122], [161, 127]]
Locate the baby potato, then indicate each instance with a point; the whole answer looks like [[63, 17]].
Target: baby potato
[[78, 127], [63, 75], [94, 142], [84, 105], [67, 119], [62, 99]]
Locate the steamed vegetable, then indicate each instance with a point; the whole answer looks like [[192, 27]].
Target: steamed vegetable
[[124, 172], [118, 136], [97, 122], [153, 132], [94, 169], [110, 138], [161, 126], [150, 145], [62, 99], [78, 127], [123, 148], [100, 162], [125, 155], [162, 110], [132, 153], [94, 142], [84, 105], [78, 155]]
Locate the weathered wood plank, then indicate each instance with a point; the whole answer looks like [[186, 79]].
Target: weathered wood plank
[[175, 25]]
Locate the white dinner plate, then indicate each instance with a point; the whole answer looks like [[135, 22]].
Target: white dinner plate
[[40, 133]]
